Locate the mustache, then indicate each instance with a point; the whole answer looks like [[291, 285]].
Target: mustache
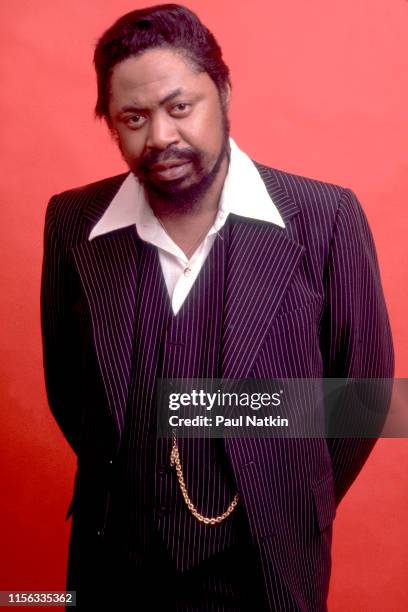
[[155, 156]]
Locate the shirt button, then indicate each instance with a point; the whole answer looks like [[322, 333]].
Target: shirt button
[[187, 272], [162, 511], [164, 469]]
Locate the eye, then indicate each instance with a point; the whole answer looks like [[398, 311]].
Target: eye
[[181, 109], [135, 121]]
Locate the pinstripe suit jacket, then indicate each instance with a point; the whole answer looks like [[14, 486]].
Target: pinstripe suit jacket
[[303, 301]]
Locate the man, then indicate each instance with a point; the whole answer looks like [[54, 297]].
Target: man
[[199, 263]]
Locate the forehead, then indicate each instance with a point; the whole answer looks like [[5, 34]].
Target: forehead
[[151, 76]]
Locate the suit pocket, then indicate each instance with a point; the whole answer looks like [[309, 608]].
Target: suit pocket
[[290, 310], [324, 501]]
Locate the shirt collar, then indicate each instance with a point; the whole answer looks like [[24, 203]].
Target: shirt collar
[[244, 194]]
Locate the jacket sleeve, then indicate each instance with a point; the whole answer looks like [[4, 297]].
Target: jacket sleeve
[[355, 335], [60, 379]]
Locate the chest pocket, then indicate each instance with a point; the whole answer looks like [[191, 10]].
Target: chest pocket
[[292, 346]]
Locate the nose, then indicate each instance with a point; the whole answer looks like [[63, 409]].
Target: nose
[[162, 132]]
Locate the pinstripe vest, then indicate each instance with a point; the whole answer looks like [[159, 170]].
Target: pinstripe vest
[[186, 345]]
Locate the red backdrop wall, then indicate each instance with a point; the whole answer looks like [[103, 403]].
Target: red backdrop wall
[[319, 88]]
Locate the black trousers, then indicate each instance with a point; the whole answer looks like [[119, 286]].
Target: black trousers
[[229, 581]]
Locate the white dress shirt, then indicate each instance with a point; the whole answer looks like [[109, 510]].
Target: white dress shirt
[[244, 193]]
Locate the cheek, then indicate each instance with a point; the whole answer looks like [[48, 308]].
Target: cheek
[[131, 144], [205, 131]]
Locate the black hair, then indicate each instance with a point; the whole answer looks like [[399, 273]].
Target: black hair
[[164, 25]]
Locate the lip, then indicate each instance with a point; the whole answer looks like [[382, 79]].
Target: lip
[[170, 163], [170, 171]]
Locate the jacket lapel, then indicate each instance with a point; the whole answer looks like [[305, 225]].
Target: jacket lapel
[[261, 262], [108, 266]]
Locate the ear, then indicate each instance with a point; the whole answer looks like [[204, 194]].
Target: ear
[[226, 96], [114, 133]]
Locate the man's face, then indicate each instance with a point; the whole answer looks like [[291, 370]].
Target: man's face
[[171, 126]]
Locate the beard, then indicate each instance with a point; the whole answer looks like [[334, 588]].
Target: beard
[[178, 196]]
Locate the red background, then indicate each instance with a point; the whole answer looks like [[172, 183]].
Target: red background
[[320, 89]]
